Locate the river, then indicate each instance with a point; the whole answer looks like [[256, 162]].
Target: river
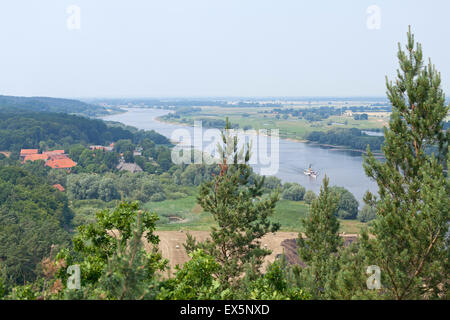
[[343, 167]]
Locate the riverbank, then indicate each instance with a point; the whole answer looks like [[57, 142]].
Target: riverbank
[[343, 167], [330, 146]]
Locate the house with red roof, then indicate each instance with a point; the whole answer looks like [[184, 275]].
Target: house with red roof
[[59, 187], [26, 152], [53, 152], [35, 157], [62, 163]]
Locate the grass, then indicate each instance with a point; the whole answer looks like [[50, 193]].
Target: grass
[[287, 213], [292, 128], [186, 209]]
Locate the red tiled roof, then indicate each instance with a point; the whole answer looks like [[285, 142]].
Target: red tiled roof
[[59, 187], [64, 163], [53, 152], [34, 157], [25, 152], [54, 156]]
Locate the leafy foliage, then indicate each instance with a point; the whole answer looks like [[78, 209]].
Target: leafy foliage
[[319, 247], [409, 242], [33, 217]]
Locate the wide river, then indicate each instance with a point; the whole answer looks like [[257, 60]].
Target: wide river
[[343, 167]]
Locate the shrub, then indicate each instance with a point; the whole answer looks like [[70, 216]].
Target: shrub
[[309, 196], [367, 213], [158, 197], [295, 193]]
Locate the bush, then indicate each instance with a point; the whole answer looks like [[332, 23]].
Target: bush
[[176, 195], [347, 202], [367, 213], [309, 196], [158, 197], [342, 214], [295, 193]]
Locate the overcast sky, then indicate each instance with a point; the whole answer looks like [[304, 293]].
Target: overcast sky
[[149, 48]]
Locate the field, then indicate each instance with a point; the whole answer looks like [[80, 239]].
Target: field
[[187, 215], [171, 245], [292, 128]]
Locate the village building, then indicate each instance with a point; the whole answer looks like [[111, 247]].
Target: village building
[[59, 187], [104, 148], [55, 159], [53, 153], [348, 113], [26, 152], [35, 157], [130, 167], [62, 163]]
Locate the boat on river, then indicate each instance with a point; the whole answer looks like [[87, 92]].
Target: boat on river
[[310, 172]]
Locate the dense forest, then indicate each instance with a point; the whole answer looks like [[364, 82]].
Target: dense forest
[[353, 138], [31, 129], [46, 104], [33, 217]]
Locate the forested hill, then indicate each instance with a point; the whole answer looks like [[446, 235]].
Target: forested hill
[[45, 104], [20, 129]]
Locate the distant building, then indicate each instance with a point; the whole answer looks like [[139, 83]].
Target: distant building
[[53, 152], [35, 157], [348, 113], [130, 167], [63, 163], [110, 148], [55, 159], [26, 152], [59, 187]]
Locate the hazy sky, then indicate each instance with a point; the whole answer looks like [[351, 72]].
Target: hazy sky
[[149, 48]]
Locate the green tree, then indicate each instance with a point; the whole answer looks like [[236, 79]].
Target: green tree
[[413, 206], [294, 193], [347, 205], [239, 209], [123, 146], [309, 197], [96, 243], [367, 213], [195, 281], [130, 272], [319, 247]]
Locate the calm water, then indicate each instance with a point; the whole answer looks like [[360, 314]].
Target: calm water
[[344, 168]]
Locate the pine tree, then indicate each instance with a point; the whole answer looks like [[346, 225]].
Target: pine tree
[[242, 213], [408, 242], [127, 275], [319, 247]]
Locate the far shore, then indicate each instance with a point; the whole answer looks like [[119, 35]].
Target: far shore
[[332, 147]]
